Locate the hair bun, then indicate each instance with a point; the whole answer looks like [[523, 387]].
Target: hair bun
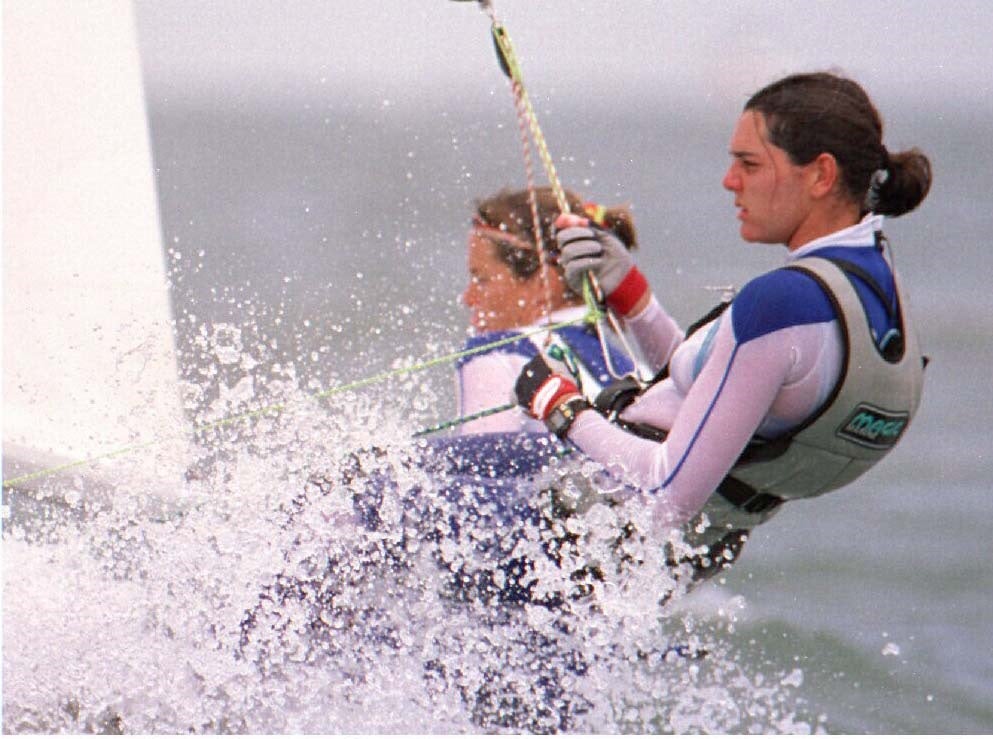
[[906, 185]]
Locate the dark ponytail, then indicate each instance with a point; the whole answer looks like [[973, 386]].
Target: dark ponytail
[[907, 182], [810, 114]]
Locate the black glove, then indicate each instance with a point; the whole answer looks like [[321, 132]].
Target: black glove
[[539, 387]]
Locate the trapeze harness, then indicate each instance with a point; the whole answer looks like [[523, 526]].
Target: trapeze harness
[[864, 416]]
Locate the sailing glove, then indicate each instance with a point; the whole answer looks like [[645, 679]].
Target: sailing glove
[[543, 385], [585, 249]]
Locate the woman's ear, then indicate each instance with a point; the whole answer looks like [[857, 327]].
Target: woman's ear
[[824, 174]]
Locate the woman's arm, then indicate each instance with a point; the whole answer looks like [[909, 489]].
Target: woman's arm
[[655, 333], [775, 356], [721, 413]]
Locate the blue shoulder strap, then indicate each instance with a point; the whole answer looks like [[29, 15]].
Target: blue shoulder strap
[[582, 340], [873, 281], [522, 345]]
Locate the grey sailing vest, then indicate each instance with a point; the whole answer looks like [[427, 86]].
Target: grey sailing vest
[[863, 418]]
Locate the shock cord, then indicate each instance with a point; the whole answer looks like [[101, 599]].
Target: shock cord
[[528, 121]]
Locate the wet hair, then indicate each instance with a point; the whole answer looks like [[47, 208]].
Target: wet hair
[[510, 211], [821, 112]]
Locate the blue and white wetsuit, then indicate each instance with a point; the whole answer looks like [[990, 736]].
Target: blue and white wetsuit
[[764, 367], [486, 380]]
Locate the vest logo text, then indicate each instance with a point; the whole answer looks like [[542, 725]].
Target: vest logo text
[[874, 428]]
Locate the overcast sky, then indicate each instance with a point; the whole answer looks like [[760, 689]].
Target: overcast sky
[[404, 49]]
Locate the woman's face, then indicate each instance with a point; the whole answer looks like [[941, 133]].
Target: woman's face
[[497, 299], [770, 191]]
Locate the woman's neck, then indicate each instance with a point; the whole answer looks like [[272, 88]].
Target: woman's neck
[[831, 216]]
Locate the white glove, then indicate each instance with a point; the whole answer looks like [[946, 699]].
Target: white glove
[[585, 249]]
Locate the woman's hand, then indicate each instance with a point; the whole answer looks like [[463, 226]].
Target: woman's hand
[[542, 385], [584, 248], [548, 390]]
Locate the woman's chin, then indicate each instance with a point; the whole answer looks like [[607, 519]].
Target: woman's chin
[[754, 236], [747, 234]]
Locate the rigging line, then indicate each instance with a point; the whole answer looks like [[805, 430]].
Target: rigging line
[[512, 68], [276, 408], [526, 124], [463, 420], [539, 238], [446, 358]]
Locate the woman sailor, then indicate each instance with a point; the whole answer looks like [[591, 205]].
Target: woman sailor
[[509, 294], [812, 372]]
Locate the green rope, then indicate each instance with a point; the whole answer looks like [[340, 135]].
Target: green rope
[[445, 359], [276, 408], [464, 419], [70, 465]]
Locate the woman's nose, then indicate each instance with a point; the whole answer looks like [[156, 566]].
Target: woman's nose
[[731, 180]]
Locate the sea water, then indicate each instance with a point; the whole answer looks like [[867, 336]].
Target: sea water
[[315, 245]]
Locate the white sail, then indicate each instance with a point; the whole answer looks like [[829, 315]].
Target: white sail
[[89, 364]]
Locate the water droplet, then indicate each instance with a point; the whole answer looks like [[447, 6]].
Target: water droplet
[[794, 679]]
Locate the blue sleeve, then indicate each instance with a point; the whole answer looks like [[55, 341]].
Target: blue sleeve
[[777, 300]]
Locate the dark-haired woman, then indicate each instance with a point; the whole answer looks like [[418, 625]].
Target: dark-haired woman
[[809, 376], [510, 295]]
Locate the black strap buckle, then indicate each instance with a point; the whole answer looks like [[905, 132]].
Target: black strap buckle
[[617, 396], [744, 496]]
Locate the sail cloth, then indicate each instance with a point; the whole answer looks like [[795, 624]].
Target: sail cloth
[[89, 362]]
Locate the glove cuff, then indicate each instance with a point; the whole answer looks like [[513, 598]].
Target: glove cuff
[[627, 294], [551, 392], [539, 390]]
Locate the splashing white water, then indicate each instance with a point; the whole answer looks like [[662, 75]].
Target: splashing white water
[[273, 603]]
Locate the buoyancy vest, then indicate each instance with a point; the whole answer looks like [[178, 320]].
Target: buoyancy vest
[[582, 342], [862, 419], [866, 414], [592, 368]]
